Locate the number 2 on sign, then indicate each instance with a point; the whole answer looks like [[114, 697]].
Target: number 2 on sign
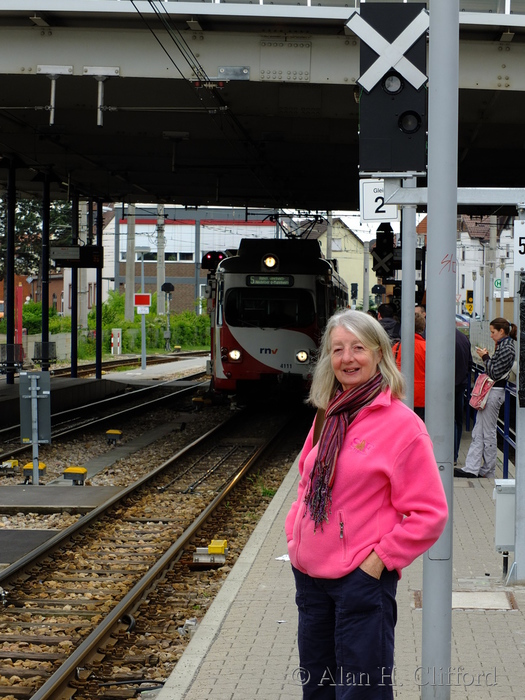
[[448, 263], [380, 209]]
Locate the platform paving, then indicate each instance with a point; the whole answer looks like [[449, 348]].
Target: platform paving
[[245, 648]]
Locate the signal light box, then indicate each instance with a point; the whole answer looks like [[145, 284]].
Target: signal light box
[[393, 100]]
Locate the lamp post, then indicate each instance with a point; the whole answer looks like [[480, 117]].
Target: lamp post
[[142, 250]]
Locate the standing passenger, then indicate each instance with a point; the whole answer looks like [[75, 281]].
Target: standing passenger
[[462, 381], [483, 450], [370, 500], [386, 317], [420, 351]]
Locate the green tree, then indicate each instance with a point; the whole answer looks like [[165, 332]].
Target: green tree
[[28, 233]]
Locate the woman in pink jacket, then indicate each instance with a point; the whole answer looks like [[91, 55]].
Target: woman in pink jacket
[[370, 500]]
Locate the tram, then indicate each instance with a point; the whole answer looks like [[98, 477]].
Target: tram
[[269, 303]]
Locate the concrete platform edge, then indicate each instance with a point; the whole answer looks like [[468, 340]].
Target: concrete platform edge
[[184, 673]]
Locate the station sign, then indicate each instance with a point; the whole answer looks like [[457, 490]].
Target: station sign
[[519, 245], [372, 201]]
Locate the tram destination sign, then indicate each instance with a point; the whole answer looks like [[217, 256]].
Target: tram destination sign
[[269, 281]]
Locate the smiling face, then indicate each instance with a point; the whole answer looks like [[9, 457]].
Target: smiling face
[[353, 363]]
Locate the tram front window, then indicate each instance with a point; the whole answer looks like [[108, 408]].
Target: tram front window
[[269, 308]]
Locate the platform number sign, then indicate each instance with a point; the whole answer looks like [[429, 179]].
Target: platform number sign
[[519, 245], [372, 202]]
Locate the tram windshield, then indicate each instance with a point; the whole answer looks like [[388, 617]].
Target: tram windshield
[[269, 308]]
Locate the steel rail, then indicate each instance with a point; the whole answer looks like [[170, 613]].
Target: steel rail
[[59, 680], [118, 414], [53, 543]]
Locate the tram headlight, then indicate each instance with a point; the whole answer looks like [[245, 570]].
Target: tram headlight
[[270, 262], [302, 356], [235, 355]]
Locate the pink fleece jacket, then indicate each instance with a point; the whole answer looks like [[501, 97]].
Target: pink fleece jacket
[[387, 496]]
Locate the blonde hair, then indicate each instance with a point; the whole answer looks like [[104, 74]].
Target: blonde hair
[[374, 338]]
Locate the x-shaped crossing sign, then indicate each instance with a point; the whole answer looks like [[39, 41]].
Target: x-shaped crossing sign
[[390, 55], [381, 263]]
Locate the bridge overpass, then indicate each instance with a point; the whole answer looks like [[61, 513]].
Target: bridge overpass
[[230, 103]]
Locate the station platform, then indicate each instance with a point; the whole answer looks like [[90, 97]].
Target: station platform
[[245, 647]]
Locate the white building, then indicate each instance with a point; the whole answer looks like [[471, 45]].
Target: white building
[[485, 267]]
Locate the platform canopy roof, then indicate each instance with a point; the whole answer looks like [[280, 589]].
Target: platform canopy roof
[[244, 142]]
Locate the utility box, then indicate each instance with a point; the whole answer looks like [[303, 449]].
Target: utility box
[[505, 496]]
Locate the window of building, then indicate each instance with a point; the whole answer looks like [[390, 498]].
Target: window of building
[[186, 257], [462, 281]]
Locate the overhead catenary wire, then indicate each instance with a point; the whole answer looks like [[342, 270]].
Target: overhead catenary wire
[[221, 109]]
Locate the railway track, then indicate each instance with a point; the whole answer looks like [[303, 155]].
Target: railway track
[[64, 607], [69, 423]]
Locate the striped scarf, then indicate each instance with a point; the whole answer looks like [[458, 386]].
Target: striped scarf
[[341, 411]]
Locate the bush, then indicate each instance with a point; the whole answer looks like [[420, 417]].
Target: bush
[[186, 329]]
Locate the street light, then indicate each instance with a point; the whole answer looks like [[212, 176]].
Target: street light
[[142, 250]]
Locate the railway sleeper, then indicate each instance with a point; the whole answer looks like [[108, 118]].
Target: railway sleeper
[[36, 639], [18, 602], [50, 612], [32, 656], [9, 671], [16, 692]]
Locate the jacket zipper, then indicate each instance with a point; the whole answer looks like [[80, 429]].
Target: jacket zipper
[[342, 534]]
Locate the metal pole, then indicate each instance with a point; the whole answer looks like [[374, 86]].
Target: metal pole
[[366, 276], [46, 203], [442, 225], [491, 291], [197, 264], [161, 260], [518, 568], [9, 277], [516, 316], [408, 284], [502, 289], [168, 342], [33, 390], [130, 263], [75, 207], [98, 291], [143, 316], [329, 228]]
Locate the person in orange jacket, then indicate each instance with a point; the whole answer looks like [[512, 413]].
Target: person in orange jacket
[[420, 351]]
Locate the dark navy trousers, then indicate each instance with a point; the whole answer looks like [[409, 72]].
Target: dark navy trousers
[[346, 636]]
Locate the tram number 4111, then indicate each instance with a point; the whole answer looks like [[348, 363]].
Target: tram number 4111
[[519, 245]]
